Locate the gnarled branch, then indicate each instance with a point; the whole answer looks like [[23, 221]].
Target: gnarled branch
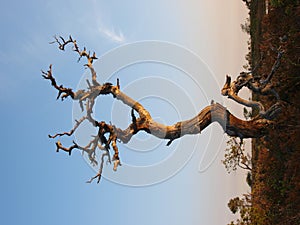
[[259, 86]]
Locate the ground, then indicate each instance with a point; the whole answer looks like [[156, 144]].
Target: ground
[[276, 168]]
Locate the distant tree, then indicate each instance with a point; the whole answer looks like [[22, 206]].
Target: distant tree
[[109, 134], [246, 26], [243, 207], [248, 3], [249, 179], [235, 156]]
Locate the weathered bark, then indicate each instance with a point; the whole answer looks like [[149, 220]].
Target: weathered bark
[[215, 112]]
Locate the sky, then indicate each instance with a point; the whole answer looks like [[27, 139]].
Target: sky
[[170, 55]]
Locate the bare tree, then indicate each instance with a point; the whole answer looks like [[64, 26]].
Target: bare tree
[[235, 156], [141, 120]]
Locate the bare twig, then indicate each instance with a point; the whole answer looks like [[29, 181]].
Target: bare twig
[[61, 42], [67, 91], [78, 122], [99, 174], [69, 150]]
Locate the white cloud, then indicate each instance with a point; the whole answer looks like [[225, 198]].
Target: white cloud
[[112, 35], [102, 18]]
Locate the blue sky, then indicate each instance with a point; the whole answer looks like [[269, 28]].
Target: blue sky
[[40, 186]]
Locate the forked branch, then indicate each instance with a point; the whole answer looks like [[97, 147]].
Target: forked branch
[[256, 85]]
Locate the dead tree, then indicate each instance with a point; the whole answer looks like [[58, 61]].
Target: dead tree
[[108, 134]]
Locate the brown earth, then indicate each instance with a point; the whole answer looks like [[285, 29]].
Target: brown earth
[[276, 157]]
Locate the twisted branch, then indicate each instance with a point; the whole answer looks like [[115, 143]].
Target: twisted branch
[[78, 122], [256, 85], [61, 89]]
